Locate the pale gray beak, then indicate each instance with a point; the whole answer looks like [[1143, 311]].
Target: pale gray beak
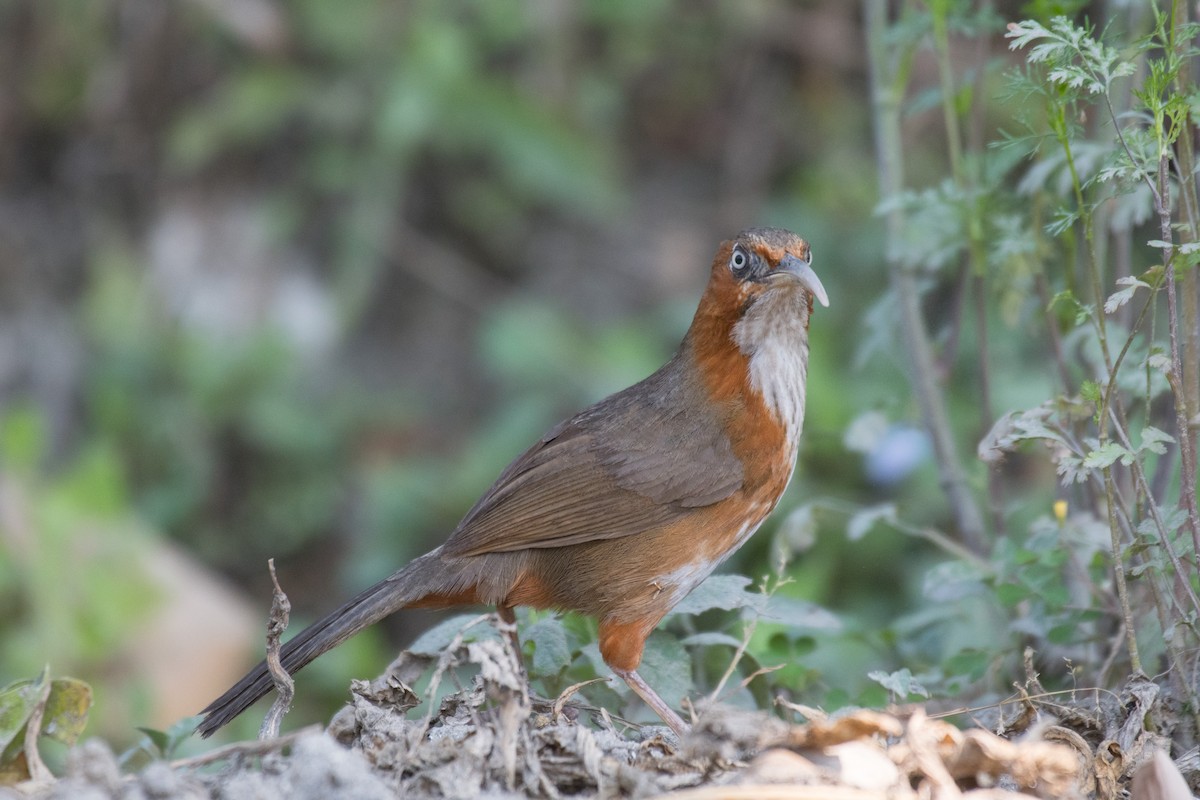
[[804, 273]]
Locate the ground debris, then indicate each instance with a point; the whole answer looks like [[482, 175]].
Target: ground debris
[[490, 739]]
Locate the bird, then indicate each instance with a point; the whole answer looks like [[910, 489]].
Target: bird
[[621, 510]]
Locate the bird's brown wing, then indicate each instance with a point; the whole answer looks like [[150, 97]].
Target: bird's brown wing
[[636, 460]]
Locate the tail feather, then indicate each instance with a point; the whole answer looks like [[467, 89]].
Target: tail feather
[[405, 588]]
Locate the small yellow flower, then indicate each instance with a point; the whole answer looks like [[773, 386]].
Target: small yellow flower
[[1060, 511]]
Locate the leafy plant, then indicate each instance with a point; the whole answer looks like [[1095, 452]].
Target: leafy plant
[[1097, 153], [35, 707]]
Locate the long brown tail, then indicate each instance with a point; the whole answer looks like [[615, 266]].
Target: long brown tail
[[426, 575]]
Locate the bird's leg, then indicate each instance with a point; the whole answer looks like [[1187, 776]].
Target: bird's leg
[[621, 646], [509, 618], [673, 720]]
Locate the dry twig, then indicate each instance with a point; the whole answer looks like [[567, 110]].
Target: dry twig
[[285, 687]]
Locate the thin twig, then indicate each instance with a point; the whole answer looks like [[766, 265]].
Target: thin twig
[[1168, 546], [38, 771], [556, 709], [285, 687], [1187, 456], [1021, 698], [747, 635], [1135, 660], [258, 747]]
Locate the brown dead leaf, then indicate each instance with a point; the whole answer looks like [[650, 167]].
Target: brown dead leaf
[[859, 724]]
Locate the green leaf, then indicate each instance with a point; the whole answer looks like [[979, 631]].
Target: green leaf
[[863, 521], [1064, 633], [970, 662], [951, 581], [900, 683], [17, 702], [433, 641], [711, 639], [551, 651], [158, 739], [1154, 439], [1080, 311], [799, 613], [726, 592], [1106, 455], [1120, 298], [1010, 594], [67, 707], [667, 667]]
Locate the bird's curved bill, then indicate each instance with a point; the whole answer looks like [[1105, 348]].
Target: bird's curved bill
[[804, 273]]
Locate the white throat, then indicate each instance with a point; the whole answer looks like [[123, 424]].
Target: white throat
[[775, 340]]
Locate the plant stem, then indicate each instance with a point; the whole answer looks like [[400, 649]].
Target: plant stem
[[1135, 660], [1186, 364], [1187, 456], [886, 95], [1186, 161]]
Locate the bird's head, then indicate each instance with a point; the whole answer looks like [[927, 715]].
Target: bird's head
[[758, 264], [760, 261], [750, 332]]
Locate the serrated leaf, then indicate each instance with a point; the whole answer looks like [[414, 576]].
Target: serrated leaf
[[1154, 439], [1070, 470], [900, 683], [726, 592], [1106, 455], [1160, 362], [800, 614], [711, 639], [551, 650], [667, 667], [433, 641], [951, 581], [1120, 298], [1173, 518], [863, 521]]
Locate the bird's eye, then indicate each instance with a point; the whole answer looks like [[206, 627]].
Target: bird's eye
[[739, 259]]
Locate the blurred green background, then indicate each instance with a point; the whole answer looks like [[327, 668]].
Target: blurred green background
[[296, 278]]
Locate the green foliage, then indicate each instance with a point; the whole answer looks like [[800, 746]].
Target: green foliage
[[69, 553], [1097, 195], [59, 707], [178, 405], [159, 745], [1073, 57], [900, 684]]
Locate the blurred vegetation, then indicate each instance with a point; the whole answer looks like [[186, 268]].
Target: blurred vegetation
[[296, 279]]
